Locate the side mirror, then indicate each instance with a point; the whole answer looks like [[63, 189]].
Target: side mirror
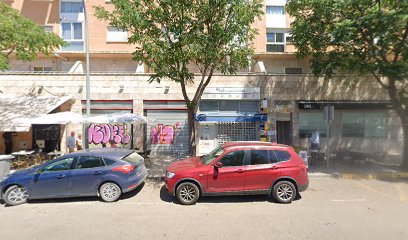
[[218, 165]]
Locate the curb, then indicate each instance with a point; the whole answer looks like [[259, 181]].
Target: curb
[[372, 176]]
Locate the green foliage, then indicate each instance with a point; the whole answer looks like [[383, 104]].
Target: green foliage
[[362, 36], [23, 37], [171, 35]]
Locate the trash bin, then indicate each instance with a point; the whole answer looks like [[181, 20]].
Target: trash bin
[[5, 163]]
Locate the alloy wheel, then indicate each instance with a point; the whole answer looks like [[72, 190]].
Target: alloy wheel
[[285, 192], [110, 192], [17, 196], [187, 193]]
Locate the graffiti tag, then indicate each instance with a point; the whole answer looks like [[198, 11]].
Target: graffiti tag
[[103, 133], [164, 134]]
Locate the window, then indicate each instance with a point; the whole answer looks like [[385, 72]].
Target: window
[[364, 124], [229, 106], [47, 28], [233, 159], [133, 158], [72, 34], [61, 165], [275, 42], [275, 10], [109, 162], [293, 70], [89, 162], [116, 35], [282, 155], [310, 122], [259, 157], [42, 69], [72, 7]]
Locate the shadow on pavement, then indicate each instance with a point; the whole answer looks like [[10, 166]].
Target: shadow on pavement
[[166, 197]]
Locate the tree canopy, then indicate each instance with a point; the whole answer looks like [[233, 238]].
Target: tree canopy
[[357, 36], [171, 36], [23, 37]]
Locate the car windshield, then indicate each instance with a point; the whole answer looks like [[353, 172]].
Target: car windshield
[[207, 159]]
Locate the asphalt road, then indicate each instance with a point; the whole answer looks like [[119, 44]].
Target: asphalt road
[[329, 209]]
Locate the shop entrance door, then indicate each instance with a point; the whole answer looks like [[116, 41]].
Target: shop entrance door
[[283, 132]]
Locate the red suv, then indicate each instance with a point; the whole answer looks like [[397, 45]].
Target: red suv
[[237, 168]]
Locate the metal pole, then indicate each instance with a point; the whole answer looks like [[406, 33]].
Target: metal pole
[[88, 80]]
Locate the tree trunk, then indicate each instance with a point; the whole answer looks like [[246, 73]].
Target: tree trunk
[[404, 164], [191, 130]]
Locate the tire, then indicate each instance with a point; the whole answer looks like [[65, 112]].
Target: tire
[[15, 195], [187, 193], [284, 192], [110, 192]]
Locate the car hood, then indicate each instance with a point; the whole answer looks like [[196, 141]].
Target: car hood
[[183, 164], [23, 171]]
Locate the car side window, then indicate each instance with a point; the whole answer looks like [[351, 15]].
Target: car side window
[[233, 159], [109, 162], [272, 157], [259, 157], [61, 165], [89, 162], [282, 155]]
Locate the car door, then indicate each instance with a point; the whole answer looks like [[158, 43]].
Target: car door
[[52, 179], [231, 176], [261, 170], [86, 175]]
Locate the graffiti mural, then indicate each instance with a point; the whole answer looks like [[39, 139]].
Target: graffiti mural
[[103, 133], [164, 134]]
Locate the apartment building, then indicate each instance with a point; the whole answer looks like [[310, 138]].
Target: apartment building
[[276, 99]]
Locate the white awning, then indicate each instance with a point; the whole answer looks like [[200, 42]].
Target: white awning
[[12, 108]]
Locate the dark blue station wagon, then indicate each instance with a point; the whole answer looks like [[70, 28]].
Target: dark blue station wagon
[[106, 173]]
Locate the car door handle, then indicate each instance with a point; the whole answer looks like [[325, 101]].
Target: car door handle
[[61, 176], [97, 173], [274, 167], [240, 171]]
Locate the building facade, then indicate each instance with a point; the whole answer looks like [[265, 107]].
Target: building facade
[[276, 99]]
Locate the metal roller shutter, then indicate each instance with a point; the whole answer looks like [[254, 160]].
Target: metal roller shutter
[[169, 134]]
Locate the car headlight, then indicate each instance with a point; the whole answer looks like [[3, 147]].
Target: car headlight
[[170, 174]]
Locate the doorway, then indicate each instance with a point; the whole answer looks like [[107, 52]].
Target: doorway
[[283, 132]]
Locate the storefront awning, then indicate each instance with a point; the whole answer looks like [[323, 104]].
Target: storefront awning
[[12, 108]]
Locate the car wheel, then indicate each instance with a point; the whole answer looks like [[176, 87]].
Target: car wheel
[[15, 195], [110, 192], [284, 192], [187, 193]]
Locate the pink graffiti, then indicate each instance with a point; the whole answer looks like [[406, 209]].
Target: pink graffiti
[[164, 134], [104, 133]]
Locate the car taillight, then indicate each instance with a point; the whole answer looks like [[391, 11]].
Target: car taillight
[[124, 169]]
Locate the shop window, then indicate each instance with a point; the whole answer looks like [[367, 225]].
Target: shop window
[[229, 106], [364, 124], [293, 71], [42, 69], [310, 122]]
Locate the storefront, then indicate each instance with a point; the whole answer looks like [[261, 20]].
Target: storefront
[[170, 133], [15, 136], [366, 128], [229, 114]]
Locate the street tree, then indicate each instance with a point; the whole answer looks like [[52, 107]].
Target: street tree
[[23, 37], [172, 37], [365, 37]]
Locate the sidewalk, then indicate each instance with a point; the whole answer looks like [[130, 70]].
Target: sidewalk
[[157, 164]]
